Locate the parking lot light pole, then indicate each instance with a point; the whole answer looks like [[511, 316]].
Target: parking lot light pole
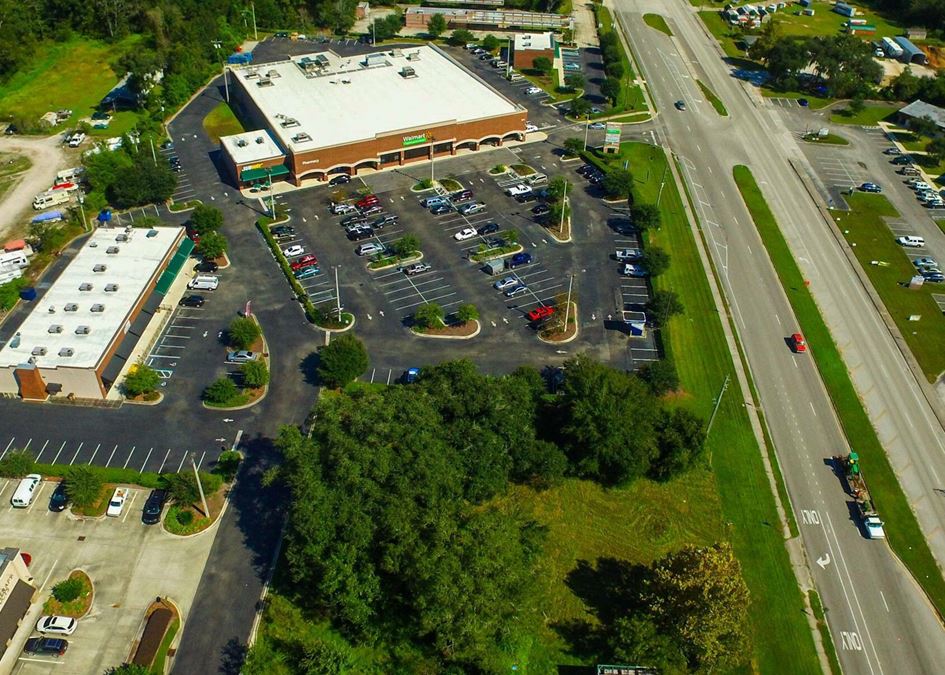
[[337, 293], [567, 307], [252, 6], [564, 205], [587, 125], [432, 158]]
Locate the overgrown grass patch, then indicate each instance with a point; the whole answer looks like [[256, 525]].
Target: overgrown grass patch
[[903, 533], [72, 74], [221, 121], [889, 269]]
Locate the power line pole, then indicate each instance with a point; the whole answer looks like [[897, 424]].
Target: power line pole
[[564, 206], [567, 309], [718, 400], [203, 499], [153, 155], [587, 125], [255, 34], [337, 293]]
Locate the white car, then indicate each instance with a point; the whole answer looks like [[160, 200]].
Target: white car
[[465, 233], [294, 251], [56, 625], [117, 502], [520, 289], [506, 282], [517, 190], [628, 254], [370, 248], [342, 209], [529, 127], [531, 91]]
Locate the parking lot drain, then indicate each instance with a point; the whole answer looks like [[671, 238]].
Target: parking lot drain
[[82, 538]]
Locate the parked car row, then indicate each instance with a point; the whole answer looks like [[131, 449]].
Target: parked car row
[[926, 194], [590, 172], [59, 500]]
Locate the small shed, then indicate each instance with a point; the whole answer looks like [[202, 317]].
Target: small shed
[[494, 266]]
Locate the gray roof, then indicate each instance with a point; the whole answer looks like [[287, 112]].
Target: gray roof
[[907, 46], [918, 109]]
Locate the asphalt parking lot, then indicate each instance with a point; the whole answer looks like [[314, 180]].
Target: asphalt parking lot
[[130, 564]]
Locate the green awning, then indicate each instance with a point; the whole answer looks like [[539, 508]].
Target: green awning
[[175, 266], [247, 175]]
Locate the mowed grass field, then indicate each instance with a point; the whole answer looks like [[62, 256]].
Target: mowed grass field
[[863, 226], [69, 75]]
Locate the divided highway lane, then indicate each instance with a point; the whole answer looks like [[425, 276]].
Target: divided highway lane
[[879, 619]]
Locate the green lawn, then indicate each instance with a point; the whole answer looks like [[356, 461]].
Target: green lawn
[[713, 99], [74, 74], [814, 102], [658, 22], [910, 140], [872, 241], [904, 535], [221, 122], [825, 22], [870, 116]]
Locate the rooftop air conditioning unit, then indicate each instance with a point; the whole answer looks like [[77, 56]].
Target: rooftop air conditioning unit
[[111, 250], [83, 330], [39, 351], [259, 139], [240, 143], [121, 238], [66, 351], [98, 308], [99, 268], [55, 328], [72, 307], [82, 287], [111, 288]]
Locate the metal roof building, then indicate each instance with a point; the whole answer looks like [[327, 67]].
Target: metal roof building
[[920, 109], [910, 53]]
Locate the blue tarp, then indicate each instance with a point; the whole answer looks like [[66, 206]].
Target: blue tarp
[[49, 217]]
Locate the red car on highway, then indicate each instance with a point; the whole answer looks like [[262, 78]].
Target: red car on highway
[[304, 261], [798, 344]]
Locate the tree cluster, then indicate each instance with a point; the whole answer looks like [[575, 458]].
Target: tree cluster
[[686, 612], [126, 177], [843, 63], [393, 528], [907, 86]]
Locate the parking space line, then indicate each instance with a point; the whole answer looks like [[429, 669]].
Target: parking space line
[[202, 455], [27, 446], [36, 496], [7, 448], [77, 451], [128, 459], [145, 463], [134, 494], [41, 450], [161, 470], [111, 455], [56, 458], [181, 466], [94, 452]]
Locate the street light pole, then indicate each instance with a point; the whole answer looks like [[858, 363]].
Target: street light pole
[[272, 199], [226, 85], [337, 294], [253, 7], [587, 125], [567, 309], [564, 206], [432, 157]]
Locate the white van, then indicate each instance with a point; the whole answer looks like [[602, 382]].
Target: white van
[[204, 282], [51, 198], [23, 496]]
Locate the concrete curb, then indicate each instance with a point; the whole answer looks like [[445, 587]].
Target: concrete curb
[[208, 528], [449, 337], [354, 320], [157, 401], [399, 263], [577, 331]]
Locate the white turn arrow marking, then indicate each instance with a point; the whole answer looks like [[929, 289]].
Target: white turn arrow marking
[[824, 561]]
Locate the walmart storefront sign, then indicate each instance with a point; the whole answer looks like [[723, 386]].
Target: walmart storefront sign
[[414, 140]]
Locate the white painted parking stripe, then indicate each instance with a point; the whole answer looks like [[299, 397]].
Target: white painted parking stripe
[[145, 462], [27, 446], [202, 455], [77, 451], [8, 447], [56, 458], [181, 466], [95, 452], [111, 455], [128, 459], [161, 470], [134, 495], [41, 450]]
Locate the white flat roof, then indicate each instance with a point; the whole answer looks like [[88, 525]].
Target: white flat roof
[[349, 102], [127, 271], [541, 41], [251, 146]]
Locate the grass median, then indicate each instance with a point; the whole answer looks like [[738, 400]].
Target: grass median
[[902, 529], [713, 99], [696, 344], [657, 22]]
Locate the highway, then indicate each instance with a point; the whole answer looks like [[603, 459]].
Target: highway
[[879, 619]]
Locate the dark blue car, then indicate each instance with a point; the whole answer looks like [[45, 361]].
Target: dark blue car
[[520, 259]]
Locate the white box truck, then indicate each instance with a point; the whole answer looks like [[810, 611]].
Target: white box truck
[[51, 198]]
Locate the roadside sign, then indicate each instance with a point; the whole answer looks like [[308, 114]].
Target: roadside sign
[[612, 138]]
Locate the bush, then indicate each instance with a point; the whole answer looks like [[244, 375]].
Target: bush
[[221, 392], [17, 464], [205, 219], [83, 485], [429, 315], [243, 332], [212, 245], [618, 183], [406, 245], [461, 37], [142, 380], [343, 360], [573, 146], [255, 374], [467, 312], [228, 463], [542, 64], [68, 590], [185, 518], [10, 293]]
